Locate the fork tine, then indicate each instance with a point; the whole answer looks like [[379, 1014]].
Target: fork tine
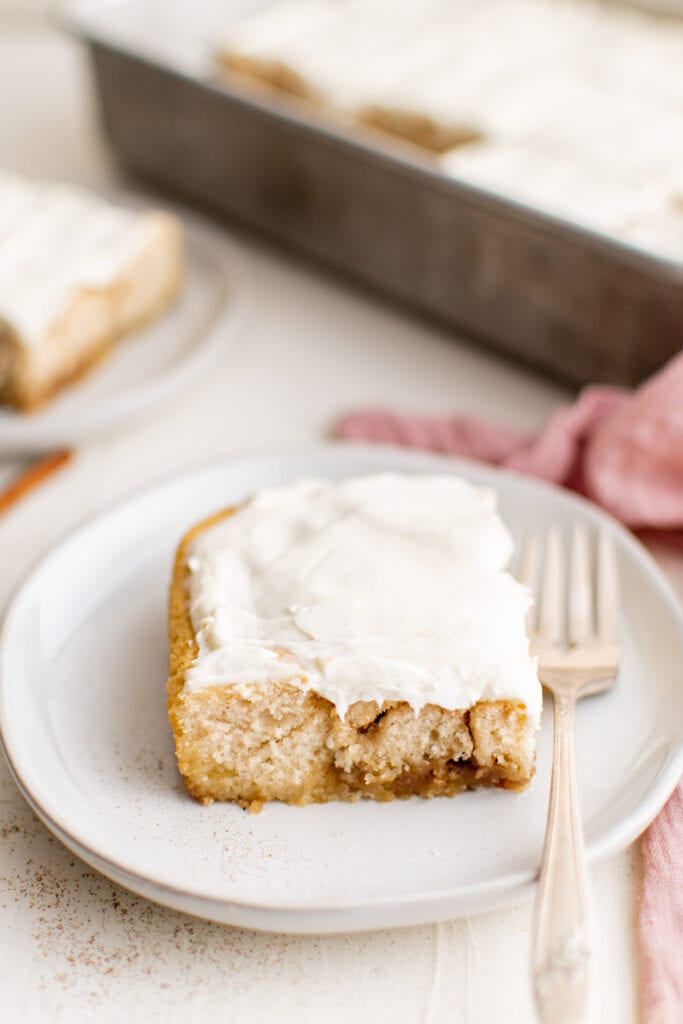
[[607, 591], [580, 588], [527, 573], [528, 567], [551, 602]]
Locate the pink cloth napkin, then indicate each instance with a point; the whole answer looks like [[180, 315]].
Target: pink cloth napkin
[[661, 915], [623, 449]]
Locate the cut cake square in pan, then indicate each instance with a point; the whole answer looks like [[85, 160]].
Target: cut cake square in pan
[[337, 640], [76, 274]]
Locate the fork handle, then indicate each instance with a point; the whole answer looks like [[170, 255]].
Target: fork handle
[[560, 950]]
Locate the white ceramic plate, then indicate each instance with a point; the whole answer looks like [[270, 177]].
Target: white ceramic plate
[[83, 669], [152, 364]]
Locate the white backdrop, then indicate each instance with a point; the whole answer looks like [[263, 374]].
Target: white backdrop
[[29, 8]]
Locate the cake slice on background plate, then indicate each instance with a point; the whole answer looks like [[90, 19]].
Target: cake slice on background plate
[[76, 274]]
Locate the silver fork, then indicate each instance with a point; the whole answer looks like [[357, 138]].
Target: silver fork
[[575, 637]]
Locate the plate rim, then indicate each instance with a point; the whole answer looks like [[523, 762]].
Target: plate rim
[[341, 914], [230, 309]]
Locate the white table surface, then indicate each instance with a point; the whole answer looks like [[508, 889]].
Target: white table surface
[[74, 947]]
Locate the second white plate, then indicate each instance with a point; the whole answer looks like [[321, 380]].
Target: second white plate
[[152, 364], [83, 719]]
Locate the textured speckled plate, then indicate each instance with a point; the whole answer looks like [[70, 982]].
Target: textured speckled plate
[[153, 364], [82, 712]]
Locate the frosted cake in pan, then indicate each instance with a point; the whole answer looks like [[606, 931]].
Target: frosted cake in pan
[[569, 106]]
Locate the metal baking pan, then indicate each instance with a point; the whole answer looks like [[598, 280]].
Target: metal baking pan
[[571, 302]]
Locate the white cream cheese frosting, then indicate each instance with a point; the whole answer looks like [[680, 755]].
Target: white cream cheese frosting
[[54, 241], [384, 587]]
